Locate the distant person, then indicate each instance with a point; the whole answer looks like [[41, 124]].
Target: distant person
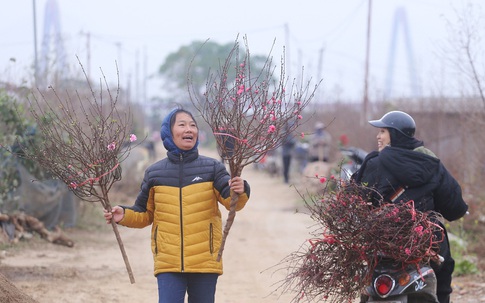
[[286, 153], [180, 198], [320, 144], [301, 154], [150, 146]]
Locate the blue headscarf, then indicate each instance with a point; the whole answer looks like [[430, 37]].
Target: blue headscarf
[[167, 138]]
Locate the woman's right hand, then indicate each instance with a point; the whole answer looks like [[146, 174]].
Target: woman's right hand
[[117, 213]]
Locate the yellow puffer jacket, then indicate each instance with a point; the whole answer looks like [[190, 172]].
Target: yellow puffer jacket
[[179, 196]]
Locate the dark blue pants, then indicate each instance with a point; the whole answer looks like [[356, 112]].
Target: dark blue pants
[[286, 167], [201, 288]]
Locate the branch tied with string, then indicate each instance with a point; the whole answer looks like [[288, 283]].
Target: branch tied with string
[[251, 115], [351, 234], [84, 140]]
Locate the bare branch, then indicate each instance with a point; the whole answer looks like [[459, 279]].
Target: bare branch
[[252, 115], [464, 43], [84, 140]]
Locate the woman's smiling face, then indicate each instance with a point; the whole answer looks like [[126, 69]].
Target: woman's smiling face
[[184, 131], [383, 138]]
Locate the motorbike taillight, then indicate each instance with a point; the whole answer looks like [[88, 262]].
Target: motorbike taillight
[[383, 285], [404, 279]]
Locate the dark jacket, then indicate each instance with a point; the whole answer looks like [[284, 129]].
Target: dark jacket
[[423, 177], [288, 145]]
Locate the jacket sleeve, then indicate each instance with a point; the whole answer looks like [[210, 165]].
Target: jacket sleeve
[[448, 197], [223, 191], [141, 213]]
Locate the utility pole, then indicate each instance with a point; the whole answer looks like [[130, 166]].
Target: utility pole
[[118, 46], [137, 76], [88, 52], [366, 77], [36, 66], [145, 75], [287, 52], [319, 73]]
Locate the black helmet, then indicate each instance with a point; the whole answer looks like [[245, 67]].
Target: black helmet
[[397, 120]]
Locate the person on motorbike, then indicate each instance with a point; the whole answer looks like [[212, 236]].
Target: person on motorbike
[[402, 165]]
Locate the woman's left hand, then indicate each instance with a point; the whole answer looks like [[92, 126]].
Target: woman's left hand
[[237, 185]]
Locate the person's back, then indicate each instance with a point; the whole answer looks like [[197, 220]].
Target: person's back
[[288, 145], [286, 153]]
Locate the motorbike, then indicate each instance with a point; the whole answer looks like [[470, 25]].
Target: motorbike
[[355, 157], [394, 282]]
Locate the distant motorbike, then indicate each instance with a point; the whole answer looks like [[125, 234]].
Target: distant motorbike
[[355, 157], [393, 282]]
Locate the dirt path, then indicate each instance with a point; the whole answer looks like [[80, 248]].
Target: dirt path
[[93, 271], [266, 231]]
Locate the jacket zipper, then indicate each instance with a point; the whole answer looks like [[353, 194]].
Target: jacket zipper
[[181, 215]]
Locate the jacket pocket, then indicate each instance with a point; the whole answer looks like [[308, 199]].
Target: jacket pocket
[[155, 244], [211, 238]]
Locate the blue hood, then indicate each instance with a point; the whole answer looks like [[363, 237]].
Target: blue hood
[[167, 139]]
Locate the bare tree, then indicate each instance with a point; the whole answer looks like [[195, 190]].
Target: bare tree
[[465, 53], [464, 48], [250, 116], [84, 140]]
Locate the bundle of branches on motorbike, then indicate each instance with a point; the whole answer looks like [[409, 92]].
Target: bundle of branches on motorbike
[[337, 263], [250, 111]]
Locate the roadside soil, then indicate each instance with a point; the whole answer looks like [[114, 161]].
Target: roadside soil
[[270, 227]]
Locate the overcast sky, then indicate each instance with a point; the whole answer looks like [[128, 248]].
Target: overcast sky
[[327, 37]]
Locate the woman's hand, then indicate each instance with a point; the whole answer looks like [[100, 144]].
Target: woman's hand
[[237, 185], [117, 213]]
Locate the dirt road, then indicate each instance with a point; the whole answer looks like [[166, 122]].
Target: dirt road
[[93, 271], [266, 231]]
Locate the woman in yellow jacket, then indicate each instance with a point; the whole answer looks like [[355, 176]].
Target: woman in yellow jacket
[[180, 198]]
